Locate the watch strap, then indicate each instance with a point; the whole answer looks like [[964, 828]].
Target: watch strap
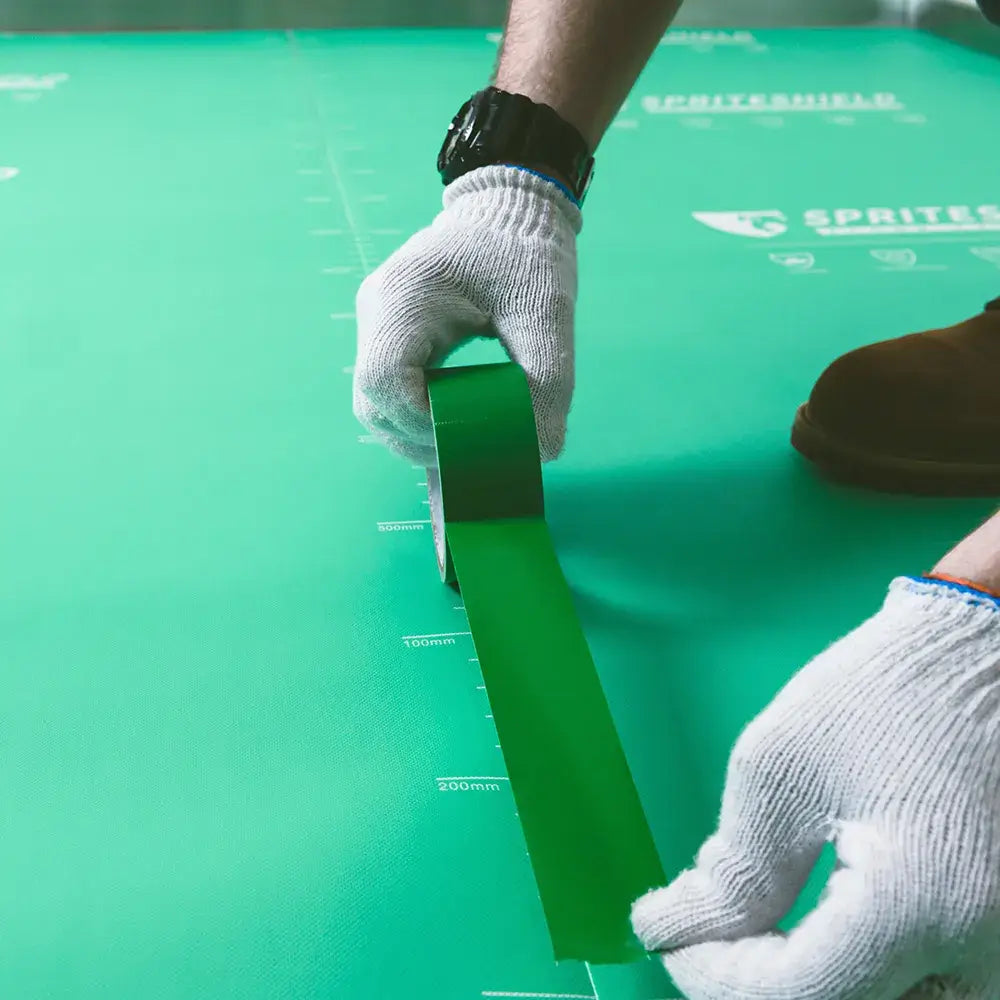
[[495, 126]]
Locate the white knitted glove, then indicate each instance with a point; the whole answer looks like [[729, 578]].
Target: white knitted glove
[[500, 260], [888, 743]]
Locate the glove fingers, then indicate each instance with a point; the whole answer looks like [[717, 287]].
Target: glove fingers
[[849, 947], [401, 331], [748, 874], [737, 888], [425, 458], [533, 337]]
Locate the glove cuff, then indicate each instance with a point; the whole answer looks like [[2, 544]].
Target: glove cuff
[[943, 605], [523, 202]]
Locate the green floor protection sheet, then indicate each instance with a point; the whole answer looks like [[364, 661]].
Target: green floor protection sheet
[[245, 746]]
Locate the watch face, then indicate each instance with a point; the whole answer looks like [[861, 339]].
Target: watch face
[[497, 127]]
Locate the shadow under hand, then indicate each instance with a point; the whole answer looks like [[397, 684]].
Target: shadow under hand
[[704, 585]]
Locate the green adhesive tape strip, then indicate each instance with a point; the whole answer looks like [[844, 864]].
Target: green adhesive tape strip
[[590, 846]]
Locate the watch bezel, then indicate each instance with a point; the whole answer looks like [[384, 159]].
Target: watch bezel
[[467, 147]]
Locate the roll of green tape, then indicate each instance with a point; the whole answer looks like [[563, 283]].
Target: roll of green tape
[[590, 846]]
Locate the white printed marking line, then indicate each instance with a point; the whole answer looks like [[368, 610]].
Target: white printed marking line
[[909, 229], [432, 635], [331, 163], [342, 316], [485, 777], [825, 244], [590, 976], [540, 996], [404, 522]]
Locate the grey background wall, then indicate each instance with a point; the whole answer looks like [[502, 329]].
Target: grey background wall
[[68, 14]]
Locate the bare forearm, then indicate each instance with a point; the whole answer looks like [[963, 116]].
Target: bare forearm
[[976, 558], [580, 57]]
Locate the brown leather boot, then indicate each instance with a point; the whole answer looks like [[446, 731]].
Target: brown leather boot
[[916, 414]]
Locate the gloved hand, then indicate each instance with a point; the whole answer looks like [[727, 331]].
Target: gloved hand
[[500, 260], [888, 743]]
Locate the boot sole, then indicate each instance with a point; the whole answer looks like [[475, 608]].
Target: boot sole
[[847, 464]]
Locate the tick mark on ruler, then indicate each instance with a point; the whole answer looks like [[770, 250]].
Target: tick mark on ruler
[[539, 996], [474, 777]]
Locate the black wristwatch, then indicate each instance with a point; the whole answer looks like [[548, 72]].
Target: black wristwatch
[[494, 126]]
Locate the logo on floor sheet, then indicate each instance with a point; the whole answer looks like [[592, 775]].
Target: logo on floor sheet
[[25, 81], [29, 87], [990, 254], [901, 259], [762, 225], [918, 220], [794, 261], [783, 103], [6, 173], [711, 39]]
